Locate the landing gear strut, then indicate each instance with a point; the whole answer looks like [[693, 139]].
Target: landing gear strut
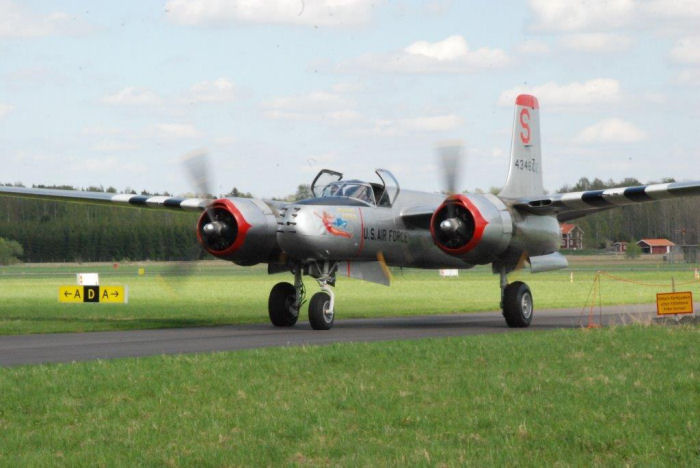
[[286, 299], [516, 302], [322, 305]]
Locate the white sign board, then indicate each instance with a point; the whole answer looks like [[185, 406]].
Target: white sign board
[[88, 279], [449, 272]]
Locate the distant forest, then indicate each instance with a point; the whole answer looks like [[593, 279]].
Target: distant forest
[[69, 232]]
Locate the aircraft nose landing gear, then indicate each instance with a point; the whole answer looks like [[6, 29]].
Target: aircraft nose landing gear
[[286, 299], [322, 308]]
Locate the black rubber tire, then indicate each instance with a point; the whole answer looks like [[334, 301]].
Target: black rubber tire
[[280, 306], [318, 316], [518, 305]]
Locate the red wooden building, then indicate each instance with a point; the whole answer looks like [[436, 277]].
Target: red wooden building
[[571, 236], [656, 246]]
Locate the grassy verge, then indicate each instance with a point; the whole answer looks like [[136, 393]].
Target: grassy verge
[[615, 396], [221, 293]]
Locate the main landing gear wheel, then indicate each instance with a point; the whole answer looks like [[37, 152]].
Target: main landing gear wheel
[[281, 305], [517, 305], [321, 314]]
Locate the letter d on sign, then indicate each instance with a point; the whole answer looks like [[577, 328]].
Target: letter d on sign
[[92, 294]]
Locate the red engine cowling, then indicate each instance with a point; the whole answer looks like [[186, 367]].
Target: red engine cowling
[[241, 230], [476, 228]]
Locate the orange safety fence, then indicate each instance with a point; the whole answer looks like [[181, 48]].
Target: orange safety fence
[[594, 297], [641, 283]]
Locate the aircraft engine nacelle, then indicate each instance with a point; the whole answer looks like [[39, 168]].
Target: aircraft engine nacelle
[[474, 227], [241, 230]]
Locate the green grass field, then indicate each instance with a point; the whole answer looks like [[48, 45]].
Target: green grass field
[[610, 397], [222, 293]]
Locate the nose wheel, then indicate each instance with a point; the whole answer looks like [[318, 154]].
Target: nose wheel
[[322, 309]]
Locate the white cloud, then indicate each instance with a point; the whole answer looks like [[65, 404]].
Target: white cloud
[[553, 95], [111, 146], [306, 12], [436, 123], [452, 48], [344, 116], [347, 87], [427, 124], [101, 130], [565, 15], [689, 77], [104, 165], [611, 130], [5, 109], [317, 105], [675, 9], [450, 55], [219, 90], [132, 96], [687, 50], [314, 101], [177, 131], [18, 21], [533, 46], [605, 15], [597, 42]]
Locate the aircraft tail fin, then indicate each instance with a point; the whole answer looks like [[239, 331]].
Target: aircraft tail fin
[[525, 171]]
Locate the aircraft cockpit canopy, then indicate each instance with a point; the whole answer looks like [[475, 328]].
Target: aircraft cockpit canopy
[[329, 185], [351, 189]]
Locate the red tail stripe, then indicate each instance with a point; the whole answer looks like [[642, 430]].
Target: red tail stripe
[[527, 100]]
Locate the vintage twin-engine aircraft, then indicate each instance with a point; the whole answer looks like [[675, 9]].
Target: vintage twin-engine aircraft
[[359, 228]]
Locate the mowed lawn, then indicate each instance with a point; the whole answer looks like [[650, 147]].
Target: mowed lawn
[[609, 397], [222, 293]]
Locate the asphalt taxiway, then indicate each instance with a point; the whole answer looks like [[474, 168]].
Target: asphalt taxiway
[[69, 347]]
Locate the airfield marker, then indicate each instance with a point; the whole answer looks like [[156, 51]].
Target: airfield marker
[[111, 294]]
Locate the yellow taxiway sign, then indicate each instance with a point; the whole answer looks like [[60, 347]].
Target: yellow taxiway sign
[[113, 294]]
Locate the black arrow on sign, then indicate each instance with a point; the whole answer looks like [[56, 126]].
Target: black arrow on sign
[[115, 294], [67, 293]]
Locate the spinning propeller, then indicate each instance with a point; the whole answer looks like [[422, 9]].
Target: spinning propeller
[[217, 228], [453, 226]]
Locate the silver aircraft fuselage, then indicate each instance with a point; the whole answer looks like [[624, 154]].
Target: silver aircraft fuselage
[[346, 229]]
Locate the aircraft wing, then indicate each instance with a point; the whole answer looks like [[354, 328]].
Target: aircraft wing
[[572, 205], [124, 199]]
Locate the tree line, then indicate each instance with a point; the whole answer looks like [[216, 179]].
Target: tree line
[[48, 231]]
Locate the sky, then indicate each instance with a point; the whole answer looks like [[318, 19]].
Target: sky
[[115, 93]]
